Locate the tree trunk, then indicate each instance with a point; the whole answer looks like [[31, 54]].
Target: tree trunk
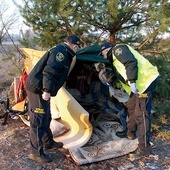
[[112, 38]]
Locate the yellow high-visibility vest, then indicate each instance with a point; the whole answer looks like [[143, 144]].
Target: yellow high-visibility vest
[[147, 73]]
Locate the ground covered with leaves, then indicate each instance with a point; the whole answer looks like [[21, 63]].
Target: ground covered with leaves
[[14, 145]]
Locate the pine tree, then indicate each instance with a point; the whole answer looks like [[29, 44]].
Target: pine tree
[[139, 21]]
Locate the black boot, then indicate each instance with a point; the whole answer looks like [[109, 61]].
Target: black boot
[[43, 158], [138, 153], [54, 145], [124, 134], [121, 134]]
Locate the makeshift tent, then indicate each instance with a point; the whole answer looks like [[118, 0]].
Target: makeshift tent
[[87, 118]]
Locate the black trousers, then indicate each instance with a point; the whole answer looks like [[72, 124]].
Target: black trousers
[[139, 112], [40, 118]]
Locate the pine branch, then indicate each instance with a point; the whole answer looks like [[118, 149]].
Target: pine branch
[[148, 39], [154, 51]]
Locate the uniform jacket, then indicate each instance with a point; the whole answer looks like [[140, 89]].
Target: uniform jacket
[[51, 71], [133, 67]]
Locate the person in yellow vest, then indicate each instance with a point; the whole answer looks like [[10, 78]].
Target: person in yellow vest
[[138, 78]]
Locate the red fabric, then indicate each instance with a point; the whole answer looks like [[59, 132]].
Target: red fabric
[[21, 89]]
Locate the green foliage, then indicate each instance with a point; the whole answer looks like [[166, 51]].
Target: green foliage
[[28, 40], [160, 119], [163, 65], [51, 20]]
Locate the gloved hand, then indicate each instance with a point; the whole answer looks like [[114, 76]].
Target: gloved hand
[[133, 88], [107, 84], [111, 91], [46, 96]]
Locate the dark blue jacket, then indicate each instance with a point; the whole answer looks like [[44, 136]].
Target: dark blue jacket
[[51, 71]]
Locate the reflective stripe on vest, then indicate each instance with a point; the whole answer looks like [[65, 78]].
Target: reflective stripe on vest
[[147, 73]]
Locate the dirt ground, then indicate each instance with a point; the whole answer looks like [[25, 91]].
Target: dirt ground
[[14, 145]]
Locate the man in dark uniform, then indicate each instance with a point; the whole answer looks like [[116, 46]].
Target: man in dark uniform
[[138, 78], [45, 79]]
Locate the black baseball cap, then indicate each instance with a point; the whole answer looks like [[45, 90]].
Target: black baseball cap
[[105, 46], [73, 39]]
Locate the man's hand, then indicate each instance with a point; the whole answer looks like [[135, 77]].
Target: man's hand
[[46, 96], [133, 88], [107, 84]]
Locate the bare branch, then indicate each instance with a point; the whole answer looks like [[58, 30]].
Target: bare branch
[[7, 19]]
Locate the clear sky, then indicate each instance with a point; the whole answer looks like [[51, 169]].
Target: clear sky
[[13, 9]]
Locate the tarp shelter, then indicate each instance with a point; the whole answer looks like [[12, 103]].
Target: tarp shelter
[[86, 141]]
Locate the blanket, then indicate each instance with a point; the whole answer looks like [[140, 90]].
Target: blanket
[[103, 144]]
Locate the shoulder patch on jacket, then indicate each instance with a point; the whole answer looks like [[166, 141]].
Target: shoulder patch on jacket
[[118, 52], [59, 57]]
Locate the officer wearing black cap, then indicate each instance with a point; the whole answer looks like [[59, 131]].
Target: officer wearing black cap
[[45, 79], [138, 78]]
